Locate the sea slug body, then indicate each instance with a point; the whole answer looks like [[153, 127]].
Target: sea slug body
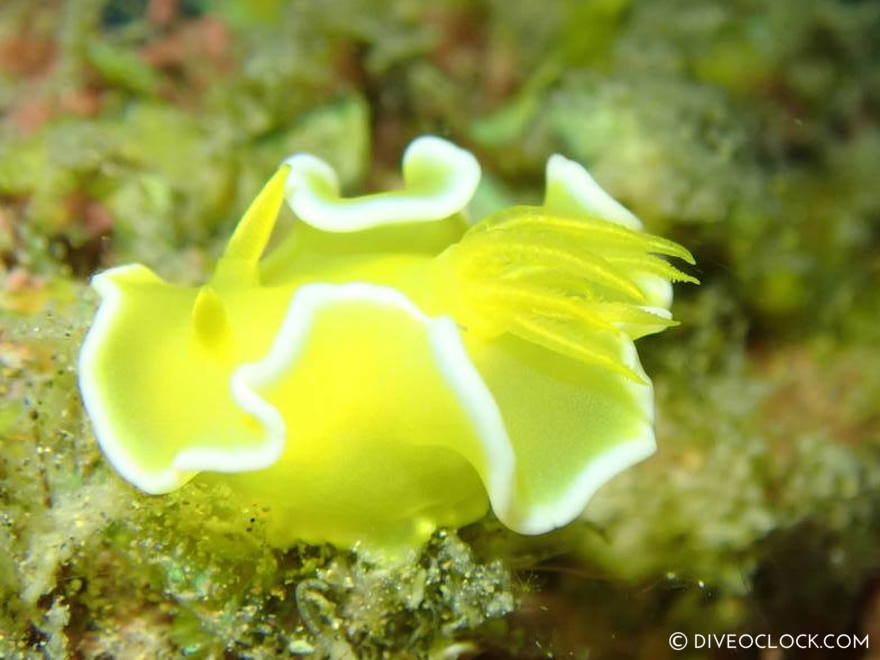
[[388, 367]]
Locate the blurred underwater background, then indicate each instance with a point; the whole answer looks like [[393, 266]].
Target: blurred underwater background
[[139, 130]]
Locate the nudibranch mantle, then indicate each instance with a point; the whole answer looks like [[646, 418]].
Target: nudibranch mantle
[[388, 367], [439, 180]]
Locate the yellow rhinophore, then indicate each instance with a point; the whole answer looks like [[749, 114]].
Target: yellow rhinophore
[[388, 368]]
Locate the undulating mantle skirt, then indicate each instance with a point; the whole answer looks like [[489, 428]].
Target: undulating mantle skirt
[[390, 367]]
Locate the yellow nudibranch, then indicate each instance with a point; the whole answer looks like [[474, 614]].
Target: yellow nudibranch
[[388, 368]]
